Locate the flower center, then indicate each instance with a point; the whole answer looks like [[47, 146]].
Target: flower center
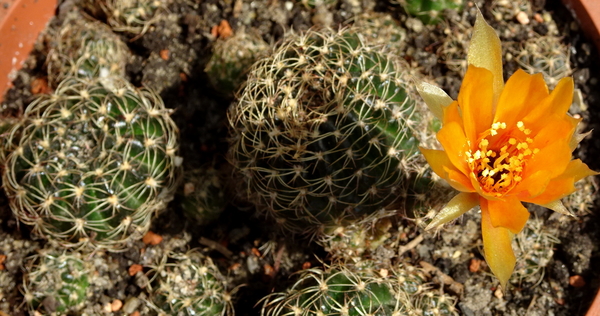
[[502, 154]]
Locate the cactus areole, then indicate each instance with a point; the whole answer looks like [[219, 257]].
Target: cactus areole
[[322, 131], [92, 163]]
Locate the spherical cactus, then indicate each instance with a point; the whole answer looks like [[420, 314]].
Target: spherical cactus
[[534, 249], [349, 290], [546, 55], [85, 49], [323, 130], [232, 58], [429, 11], [190, 285], [132, 16], [203, 195], [56, 283], [92, 163]]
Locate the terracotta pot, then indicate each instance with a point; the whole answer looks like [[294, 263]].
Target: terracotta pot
[[595, 308], [21, 21], [588, 15]]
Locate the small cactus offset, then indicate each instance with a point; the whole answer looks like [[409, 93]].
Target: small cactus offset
[[430, 11], [324, 130], [92, 163], [203, 196], [232, 58], [85, 49], [131, 16], [189, 284], [535, 249], [57, 283], [351, 290]]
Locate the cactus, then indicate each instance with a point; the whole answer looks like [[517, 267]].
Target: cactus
[[534, 249], [231, 60], [203, 196], [92, 163], [351, 290], [546, 55], [190, 284], [429, 11], [323, 130], [85, 49], [131, 16], [381, 29], [56, 283]]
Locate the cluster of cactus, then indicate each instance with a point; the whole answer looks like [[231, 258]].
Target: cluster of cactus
[[57, 283], [359, 290], [189, 284], [232, 58], [430, 11], [324, 130], [85, 49], [92, 163], [203, 194], [534, 245]]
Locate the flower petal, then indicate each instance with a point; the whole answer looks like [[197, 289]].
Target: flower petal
[[533, 184], [521, 93], [497, 247], [459, 204], [485, 51], [442, 166], [554, 158], [475, 99], [435, 98], [557, 103], [452, 114], [508, 213], [453, 139], [564, 184]]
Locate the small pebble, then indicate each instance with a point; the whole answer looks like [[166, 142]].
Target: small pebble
[[152, 239], [522, 18], [134, 269], [131, 305], [116, 305], [498, 293], [576, 281], [474, 265], [538, 17]]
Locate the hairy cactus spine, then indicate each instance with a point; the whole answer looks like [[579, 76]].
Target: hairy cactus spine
[[92, 163], [323, 130]]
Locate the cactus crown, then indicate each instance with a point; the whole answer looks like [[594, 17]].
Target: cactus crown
[[190, 284], [92, 163], [56, 282], [323, 130], [352, 290]]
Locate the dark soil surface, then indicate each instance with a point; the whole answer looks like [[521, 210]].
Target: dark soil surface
[[248, 248]]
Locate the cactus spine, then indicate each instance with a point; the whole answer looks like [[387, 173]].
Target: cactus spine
[[323, 130], [351, 290], [189, 284], [92, 163]]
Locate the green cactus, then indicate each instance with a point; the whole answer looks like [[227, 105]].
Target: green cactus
[[56, 283], [203, 196], [190, 285], [324, 130], [429, 11], [381, 29], [534, 249], [351, 290], [92, 163], [231, 59], [85, 49]]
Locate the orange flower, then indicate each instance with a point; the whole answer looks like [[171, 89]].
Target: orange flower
[[503, 145]]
